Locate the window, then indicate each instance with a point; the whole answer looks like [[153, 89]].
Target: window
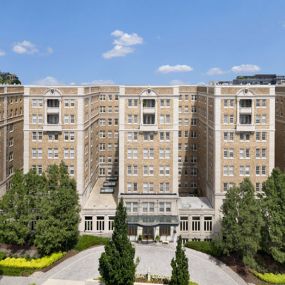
[[132, 119], [132, 136], [148, 170], [52, 153], [132, 153], [37, 136], [164, 119], [164, 187], [260, 102], [194, 97], [69, 103], [69, 119], [228, 136], [71, 170], [244, 137], [260, 153], [228, 170], [111, 223], [132, 170], [37, 153], [244, 170], [228, 103], [164, 170], [164, 153], [37, 103], [132, 207], [228, 185], [260, 136], [100, 223], [194, 109], [228, 153], [195, 224], [52, 103], [132, 186], [260, 170], [88, 224], [132, 230], [148, 153], [164, 136], [184, 224], [258, 186], [244, 153], [164, 206], [69, 136], [164, 103], [53, 136], [164, 230], [147, 136], [207, 224], [228, 119], [132, 102]]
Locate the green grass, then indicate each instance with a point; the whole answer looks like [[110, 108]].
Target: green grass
[[86, 241], [193, 283], [270, 277], [204, 246]]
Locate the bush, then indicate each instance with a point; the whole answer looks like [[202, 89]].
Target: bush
[[204, 246], [14, 271], [35, 263], [270, 277], [2, 255], [86, 241]]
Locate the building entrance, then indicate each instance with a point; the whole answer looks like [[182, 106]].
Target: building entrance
[[148, 233]]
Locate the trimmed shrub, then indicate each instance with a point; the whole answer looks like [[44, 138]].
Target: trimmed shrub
[[270, 277], [205, 247], [86, 241], [35, 263]]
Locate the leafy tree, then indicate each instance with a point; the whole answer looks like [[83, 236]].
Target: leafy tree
[[242, 222], [9, 78], [14, 222], [116, 264], [57, 228], [273, 206], [180, 273]]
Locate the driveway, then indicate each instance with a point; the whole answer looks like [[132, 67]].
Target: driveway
[[153, 258]]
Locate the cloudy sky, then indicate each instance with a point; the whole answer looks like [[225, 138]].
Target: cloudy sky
[[141, 41]]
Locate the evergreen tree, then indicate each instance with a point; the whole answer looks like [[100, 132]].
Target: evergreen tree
[[57, 228], [273, 205], [180, 273], [116, 264], [242, 222]]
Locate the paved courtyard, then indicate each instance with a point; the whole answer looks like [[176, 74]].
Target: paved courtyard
[[153, 258]]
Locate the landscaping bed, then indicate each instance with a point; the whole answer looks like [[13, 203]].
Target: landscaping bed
[[235, 263]]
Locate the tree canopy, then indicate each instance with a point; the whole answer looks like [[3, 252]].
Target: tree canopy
[[9, 78]]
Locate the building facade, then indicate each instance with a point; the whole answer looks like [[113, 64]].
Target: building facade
[[170, 152], [11, 133]]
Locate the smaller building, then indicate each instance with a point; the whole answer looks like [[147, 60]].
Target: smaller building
[[259, 79]]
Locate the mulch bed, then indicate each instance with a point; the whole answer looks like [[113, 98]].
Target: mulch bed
[[235, 263]]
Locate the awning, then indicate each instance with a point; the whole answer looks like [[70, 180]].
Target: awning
[[153, 220]]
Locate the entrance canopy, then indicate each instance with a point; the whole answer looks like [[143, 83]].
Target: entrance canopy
[[153, 220]]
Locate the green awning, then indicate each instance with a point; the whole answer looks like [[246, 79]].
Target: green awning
[[153, 220]]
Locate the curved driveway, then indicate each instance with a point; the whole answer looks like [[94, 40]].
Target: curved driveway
[[153, 258]]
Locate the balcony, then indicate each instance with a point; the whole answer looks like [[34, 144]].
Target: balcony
[[245, 110], [149, 110], [148, 128], [52, 128], [245, 128]]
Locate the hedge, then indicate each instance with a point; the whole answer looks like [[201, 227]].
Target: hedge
[[35, 263], [270, 277], [204, 246], [86, 241]]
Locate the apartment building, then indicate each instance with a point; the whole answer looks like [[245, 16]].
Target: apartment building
[[171, 152], [11, 133]]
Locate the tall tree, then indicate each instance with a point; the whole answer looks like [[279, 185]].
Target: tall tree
[[57, 228], [273, 206], [242, 222], [180, 272], [116, 264]]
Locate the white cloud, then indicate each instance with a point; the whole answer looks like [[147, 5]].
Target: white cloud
[[2, 52], [215, 71], [245, 68], [25, 47], [178, 82], [48, 80], [99, 82], [174, 68], [122, 44]]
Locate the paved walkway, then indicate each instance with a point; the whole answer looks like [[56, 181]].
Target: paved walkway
[[153, 258]]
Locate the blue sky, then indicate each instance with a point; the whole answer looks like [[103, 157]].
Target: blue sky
[[141, 41]]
